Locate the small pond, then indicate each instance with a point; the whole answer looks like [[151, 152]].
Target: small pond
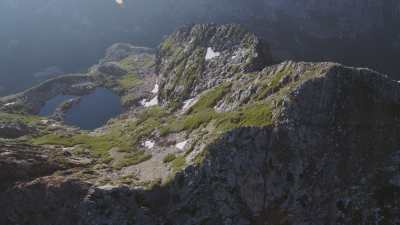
[[92, 112]]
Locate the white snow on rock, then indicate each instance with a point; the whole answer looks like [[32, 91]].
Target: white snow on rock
[[107, 187], [181, 145], [10, 104], [155, 89], [119, 2], [211, 54], [149, 144], [152, 102], [189, 103], [45, 122]]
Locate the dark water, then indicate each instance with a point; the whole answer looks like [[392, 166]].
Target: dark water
[[53, 103], [93, 110]]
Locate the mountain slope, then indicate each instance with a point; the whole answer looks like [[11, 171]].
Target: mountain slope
[[213, 134]]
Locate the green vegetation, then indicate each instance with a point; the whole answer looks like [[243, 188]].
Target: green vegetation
[[23, 118], [128, 98], [125, 135], [99, 145], [272, 82], [129, 81], [178, 163], [203, 113], [210, 98], [167, 44], [132, 159], [169, 158], [258, 114], [132, 63], [200, 157]]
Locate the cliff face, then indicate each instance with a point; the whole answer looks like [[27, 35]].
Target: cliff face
[[329, 158], [199, 57], [227, 139]]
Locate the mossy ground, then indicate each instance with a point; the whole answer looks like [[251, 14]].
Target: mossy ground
[[121, 134], [16, 117], [128, 134], [132, 63], [129, 81]]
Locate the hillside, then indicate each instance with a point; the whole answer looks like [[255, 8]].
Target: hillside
[[213, 132]]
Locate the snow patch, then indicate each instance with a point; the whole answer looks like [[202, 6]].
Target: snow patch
[[10, 104], [152, 102], [238, 55], [107, 187], [211, 54], [188, 103], [156, 89], [181, 145], [149, 144], [119, 2], [46, 122]]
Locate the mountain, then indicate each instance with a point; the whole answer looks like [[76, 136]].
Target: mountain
[[214, 132], [43, 34]]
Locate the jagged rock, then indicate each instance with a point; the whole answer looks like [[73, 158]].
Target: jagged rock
[[22, 162], [14, 130], [329, 159], [201, 56], [48, 200], [293, 144]]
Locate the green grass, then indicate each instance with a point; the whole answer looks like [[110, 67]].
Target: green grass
[[198, 160], [128, 98], [23, 118], [129, 81], [169, 158], [272, 82], [123, 134], [258, 114], [187, 122], [99, 145], [210, 98], [178, 163], [132, 63], [132, 159]]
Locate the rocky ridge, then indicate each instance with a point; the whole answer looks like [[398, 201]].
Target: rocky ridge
[[228, 139]]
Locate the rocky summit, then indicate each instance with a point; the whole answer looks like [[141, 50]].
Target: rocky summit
[[213, 132]]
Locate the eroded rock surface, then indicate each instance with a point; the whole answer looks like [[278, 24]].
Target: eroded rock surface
[[293, 144]]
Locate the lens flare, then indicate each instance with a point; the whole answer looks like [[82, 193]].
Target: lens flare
[[119, 2]]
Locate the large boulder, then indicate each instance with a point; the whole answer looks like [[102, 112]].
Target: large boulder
[[201, 56]]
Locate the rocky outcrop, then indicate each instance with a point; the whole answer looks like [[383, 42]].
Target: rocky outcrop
[[32, 100], [293, 144], [199, 57], [330, 158], [16, 129], [22, 162]]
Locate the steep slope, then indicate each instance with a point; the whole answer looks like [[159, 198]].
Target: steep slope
[[293, 143]]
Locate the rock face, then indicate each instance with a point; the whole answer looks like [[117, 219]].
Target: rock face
[[330, 158], [202, 56], [292, 144], [14, 130]]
